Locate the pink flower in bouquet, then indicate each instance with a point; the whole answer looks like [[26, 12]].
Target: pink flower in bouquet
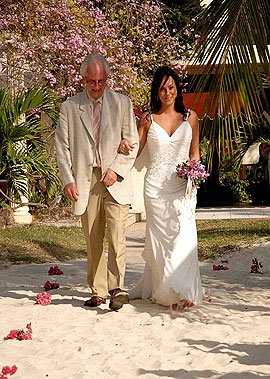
[[55, 270], [43, 298], [50, 286], [193, 170]]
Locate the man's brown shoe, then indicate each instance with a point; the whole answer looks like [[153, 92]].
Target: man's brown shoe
[[118, 299], [95, 301]]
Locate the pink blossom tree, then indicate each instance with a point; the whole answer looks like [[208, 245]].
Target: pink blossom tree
[[46, 41]]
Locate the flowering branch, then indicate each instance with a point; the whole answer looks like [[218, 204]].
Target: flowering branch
[[48, 40]]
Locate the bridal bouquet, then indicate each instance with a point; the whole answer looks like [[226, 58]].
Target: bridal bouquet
[[192, 170]]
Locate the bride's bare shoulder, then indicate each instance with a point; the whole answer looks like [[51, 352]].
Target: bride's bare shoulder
[[192, 115], [193, 119]]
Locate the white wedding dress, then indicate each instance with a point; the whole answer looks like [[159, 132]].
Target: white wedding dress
[[171, 270]]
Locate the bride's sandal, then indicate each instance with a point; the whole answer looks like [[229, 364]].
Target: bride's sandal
[[185, 303], [178, 303], [182, 305]]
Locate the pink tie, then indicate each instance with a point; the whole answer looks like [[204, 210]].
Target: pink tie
[[96, 125]]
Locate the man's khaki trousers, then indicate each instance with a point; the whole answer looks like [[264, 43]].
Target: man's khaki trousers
[[104, 275]]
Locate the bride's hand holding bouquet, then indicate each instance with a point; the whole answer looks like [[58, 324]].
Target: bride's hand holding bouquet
[[193, 171]]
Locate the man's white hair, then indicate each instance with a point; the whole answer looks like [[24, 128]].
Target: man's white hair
[[90, 59]]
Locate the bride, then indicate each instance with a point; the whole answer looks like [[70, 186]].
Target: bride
[[171, 133]]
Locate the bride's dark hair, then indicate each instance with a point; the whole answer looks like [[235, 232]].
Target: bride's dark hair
[[155, 103]]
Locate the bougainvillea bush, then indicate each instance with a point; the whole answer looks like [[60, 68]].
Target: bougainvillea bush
[[46, 40]]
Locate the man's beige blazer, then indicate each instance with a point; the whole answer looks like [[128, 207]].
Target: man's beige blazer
[[75, 146]]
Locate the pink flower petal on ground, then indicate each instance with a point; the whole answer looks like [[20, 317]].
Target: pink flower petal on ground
[[26, 336], [220, 267], [43, 298], [12, 334], [47, 286], [6, 370], [14, 368], [55, 270], [20, 334], [79, 349]]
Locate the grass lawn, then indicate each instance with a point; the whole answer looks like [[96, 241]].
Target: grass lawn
[[39, 244], [215, 237]]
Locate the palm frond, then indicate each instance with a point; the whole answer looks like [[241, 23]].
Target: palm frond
[[23, 149], [17, 178], [41, 99], [233, 49]]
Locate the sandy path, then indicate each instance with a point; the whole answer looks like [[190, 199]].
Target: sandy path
[[227, 337]]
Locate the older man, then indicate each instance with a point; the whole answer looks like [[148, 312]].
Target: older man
[[96, 177]]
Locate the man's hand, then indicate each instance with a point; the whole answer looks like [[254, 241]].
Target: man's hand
[[109, 177], [71, 191]]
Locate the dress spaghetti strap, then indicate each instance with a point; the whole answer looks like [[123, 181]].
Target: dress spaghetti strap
[[186, 115]]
